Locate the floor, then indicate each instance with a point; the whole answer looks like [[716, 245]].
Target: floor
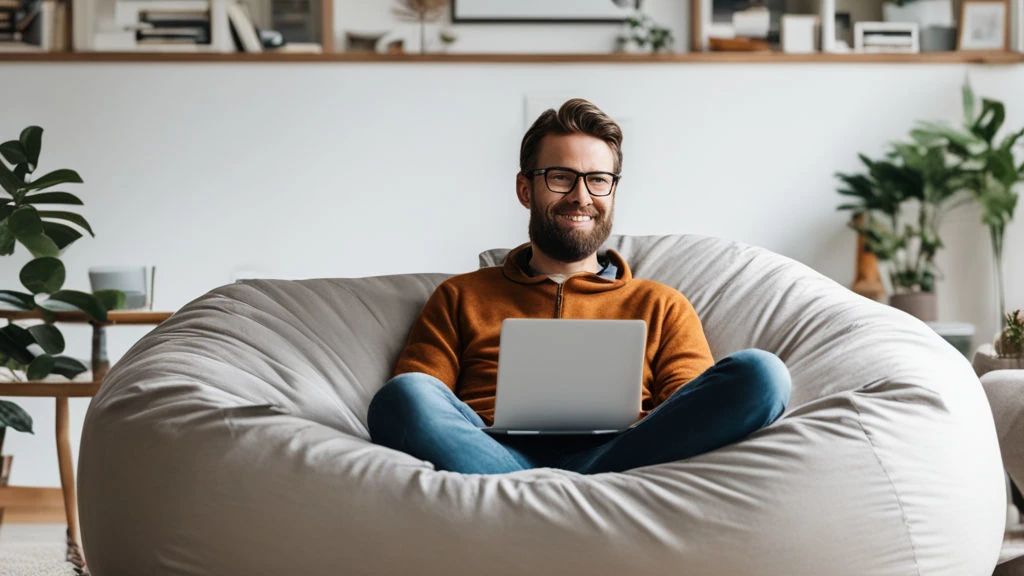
[[21, 535]]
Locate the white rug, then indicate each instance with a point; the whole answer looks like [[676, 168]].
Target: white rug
[[34, 559]]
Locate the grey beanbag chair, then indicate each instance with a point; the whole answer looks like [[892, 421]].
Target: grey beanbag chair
[[232, 441]]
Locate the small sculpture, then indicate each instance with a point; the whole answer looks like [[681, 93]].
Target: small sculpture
[[868, 279]]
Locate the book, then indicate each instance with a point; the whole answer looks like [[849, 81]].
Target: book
[[243, 29], [300, 48], [173, 35], [129, 12], [60, 26]]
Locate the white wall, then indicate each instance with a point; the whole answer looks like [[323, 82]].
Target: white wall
[[206, 170]]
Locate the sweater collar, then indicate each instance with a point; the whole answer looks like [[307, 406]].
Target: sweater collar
[[516, 268]]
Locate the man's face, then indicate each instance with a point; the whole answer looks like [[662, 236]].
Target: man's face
[[568, 227]]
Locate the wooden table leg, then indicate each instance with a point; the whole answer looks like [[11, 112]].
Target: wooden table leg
[[67, 476]]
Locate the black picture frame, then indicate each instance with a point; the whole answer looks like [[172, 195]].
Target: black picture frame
[[456, 19]]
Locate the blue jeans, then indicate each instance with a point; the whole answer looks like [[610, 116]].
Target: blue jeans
[[419, 415]]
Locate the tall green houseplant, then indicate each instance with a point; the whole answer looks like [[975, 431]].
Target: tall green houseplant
[[904, 198], [45, 234], [991, 171]]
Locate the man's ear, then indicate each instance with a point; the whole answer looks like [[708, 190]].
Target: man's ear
[[523, 189]]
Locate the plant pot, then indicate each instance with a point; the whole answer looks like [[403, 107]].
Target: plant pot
[[986, 360], [921, 305], [1005, 348]]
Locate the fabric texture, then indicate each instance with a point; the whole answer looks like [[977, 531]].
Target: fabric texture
[[232, 440], [455, 338], [1005, 390], [745, 391]]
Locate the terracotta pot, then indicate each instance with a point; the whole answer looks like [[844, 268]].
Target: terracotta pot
[[921, 305], [1005, 348]]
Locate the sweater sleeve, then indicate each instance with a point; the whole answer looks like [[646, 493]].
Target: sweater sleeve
[[684, 353], [433, 343]]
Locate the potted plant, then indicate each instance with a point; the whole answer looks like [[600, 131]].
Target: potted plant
[[641, 34], [1007, 351], [991, 172], [900, 202], [34, 353]]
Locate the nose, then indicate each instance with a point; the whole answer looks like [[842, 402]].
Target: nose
[[579, 193]]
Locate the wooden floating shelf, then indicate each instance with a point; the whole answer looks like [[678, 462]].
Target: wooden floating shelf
[[979, 57], [121, 317], [36, 389]]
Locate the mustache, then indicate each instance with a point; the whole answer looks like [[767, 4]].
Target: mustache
[[593, 213]]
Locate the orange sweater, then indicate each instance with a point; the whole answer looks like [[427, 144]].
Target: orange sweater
[[455, 339]]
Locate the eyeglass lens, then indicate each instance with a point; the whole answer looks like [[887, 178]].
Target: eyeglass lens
[[563, 181]]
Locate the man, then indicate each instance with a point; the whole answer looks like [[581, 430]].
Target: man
[[443, 386]]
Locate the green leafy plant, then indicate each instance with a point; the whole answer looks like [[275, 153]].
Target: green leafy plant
[[642, 32], [1010, 343], [36, 350], [991, 170], [14, 416], [904, 198]]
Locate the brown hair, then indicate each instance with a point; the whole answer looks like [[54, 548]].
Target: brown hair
[[576, 116]]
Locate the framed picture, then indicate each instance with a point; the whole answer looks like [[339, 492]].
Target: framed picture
[[542, 11], [984, 25]]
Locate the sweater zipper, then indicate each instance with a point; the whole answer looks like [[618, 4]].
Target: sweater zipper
[[558, 300]]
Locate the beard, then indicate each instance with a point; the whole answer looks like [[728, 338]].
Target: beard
[[567, 244]]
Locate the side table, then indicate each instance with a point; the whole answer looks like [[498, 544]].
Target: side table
[[61, 390]]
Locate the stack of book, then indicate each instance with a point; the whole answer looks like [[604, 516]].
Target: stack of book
[[11, 14], [159, 25], [33, 25], [163, 27]]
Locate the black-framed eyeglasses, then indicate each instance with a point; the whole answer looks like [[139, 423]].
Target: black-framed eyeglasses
[[561, 180]]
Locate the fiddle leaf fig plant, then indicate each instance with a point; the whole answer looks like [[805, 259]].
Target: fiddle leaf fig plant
[[25, 219]]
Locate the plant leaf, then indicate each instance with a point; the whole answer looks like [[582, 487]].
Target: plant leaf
[[14, 343], [14, 416], [110, 299], [68, 367], [8, 181], [18, 299], [32, 141], [40, 245], [43, 275], [13, 152], [52, 198], [969, 104], [83, 301], [25, 221], [6, 239], [28, 229], [48, 337], [61, 235], [70, 217], [40, 367], [62, 176], [993, 113]]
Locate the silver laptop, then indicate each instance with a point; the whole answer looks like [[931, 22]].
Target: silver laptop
[[569, 376]]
